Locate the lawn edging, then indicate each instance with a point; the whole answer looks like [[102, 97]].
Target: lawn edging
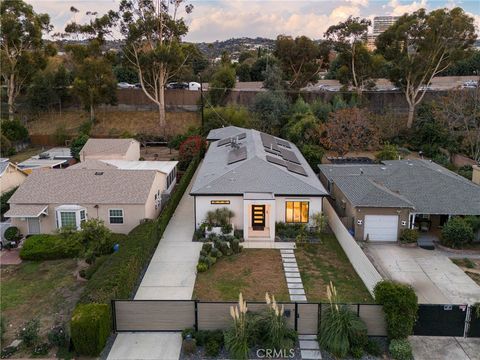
[[118, 276]]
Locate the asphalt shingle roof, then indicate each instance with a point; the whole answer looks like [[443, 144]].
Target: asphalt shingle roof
[[222, 133], [83, 186], [254, 174], [428, 187], [106, 146]]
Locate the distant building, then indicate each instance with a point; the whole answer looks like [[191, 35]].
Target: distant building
[[380, 24]]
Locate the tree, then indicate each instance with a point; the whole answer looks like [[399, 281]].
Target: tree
[[459, 112], [22, 49], [422, 45], [273, 78], [270, 109], [77, 145], [348, 39], [350, 130], [153, 32], [223, 80], [301, 59]]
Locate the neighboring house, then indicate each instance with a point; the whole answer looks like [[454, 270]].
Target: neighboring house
[[167, 169], [261, 178], [54, 158], [110, 149], [49, 200], [10, 176], [378, 201]]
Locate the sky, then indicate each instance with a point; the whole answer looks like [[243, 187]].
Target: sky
[[224, 19]]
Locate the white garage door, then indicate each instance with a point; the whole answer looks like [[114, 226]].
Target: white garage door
[[381, 227]]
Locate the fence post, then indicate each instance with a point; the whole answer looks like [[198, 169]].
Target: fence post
[[358, 310], [114, 316], [196, 314], [296, 316]]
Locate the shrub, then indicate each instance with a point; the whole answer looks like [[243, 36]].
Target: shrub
[[77, 145], [400, 305], [222, 246], [14, 130], [357, 352], [388, 152], [273, 326], [202, 267], [94, 266], [117, 276], [41, 349], [96, 237], [237, 336], [4, 206], [50, 247], [193, 147], [235, 246], [215, 253], [90, 328], [29, 332], [12, 233], [341, 329], [456, 233], [207, 247], [189, 346], [400, 349], [212, 348], [188, 332], [373, 348], [409, 236], [220, 218]]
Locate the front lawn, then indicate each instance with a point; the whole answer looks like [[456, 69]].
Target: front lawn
[[323, 262], [45, 290], [252, 272], [471, 267]]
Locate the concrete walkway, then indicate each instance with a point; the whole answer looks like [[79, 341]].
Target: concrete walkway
[[292, 275], [441, 348], [170, 276]]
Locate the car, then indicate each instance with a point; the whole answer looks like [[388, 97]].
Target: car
[[125, 85], [425, 88], [138, 86], [177, 85], [194, 86], [470, 84]]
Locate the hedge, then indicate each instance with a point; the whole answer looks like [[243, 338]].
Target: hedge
[[118, 275], [50, 247], [90, 328]]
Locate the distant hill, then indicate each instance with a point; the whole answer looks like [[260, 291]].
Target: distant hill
[[235, 46]]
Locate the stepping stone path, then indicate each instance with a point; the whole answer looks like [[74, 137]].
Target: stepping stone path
[[292, 275], [309, 348]]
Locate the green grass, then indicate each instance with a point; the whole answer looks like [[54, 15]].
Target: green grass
[[324, 262]]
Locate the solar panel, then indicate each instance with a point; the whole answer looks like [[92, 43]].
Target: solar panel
[[224, 142], [236, 155], [290, 156], [268, 141], [241, 136], [296, 169], [283, 143], [275, 160], [272, 151]]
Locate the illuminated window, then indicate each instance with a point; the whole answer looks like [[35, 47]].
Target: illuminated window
[[220, 202], [296, 212]]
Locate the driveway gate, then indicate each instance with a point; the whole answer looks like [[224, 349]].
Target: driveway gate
[[440, 320]]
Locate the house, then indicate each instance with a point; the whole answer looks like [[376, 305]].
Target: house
[[378, 201], [262, 179], [110, 149], [167, 169], [10, 176], [54, 158], [49, 200]]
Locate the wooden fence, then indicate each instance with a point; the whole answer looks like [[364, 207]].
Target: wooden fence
[[177, 315]]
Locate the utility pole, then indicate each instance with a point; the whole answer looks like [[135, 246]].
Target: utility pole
[[201, 99]]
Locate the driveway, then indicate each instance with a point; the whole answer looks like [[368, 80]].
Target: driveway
[[434, 277], [170, 276], [441, 348]]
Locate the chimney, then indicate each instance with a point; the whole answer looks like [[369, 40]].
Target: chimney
[[476, 174]]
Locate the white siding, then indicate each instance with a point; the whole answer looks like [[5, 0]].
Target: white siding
[[315, 205], [203, 205]]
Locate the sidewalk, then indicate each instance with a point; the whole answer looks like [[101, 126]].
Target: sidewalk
[[170, 276]]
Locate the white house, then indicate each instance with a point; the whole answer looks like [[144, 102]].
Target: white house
[[261, 178]]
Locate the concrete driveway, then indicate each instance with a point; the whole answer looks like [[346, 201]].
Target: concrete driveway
[[441, 348], [434, 277]]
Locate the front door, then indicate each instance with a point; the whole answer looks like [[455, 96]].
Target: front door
[[33, 225], [258, 217]]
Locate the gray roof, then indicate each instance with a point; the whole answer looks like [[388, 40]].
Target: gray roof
[[3, 166], [85, 187], [423, 185], [254, 173], [224, 132]]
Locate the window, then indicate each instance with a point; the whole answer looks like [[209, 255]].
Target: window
[[116, 216], [68, 219], [296, 211], [220, 202], [83, 216], [171, 177]]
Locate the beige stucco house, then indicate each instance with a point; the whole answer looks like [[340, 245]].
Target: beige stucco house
[[110, 149], [49, 200], [10, 176]]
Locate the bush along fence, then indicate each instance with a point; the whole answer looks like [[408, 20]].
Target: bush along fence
[[118, 275]]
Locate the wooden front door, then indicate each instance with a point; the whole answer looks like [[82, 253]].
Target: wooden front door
[[258, 217]]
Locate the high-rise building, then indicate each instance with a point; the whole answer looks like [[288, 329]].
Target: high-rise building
[[382, 23]]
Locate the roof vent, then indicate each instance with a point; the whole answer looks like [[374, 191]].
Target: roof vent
[[98, 173]]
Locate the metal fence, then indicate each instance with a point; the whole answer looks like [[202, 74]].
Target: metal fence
[[177, 315]]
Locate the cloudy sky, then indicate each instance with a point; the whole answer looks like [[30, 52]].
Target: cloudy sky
[[223, 19]]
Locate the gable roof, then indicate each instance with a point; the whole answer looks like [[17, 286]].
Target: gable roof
[[224, 132], [107, 146], [250, 171], [428, 187], [85, 186]]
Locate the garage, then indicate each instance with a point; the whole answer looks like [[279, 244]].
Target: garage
[[381, 227]]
